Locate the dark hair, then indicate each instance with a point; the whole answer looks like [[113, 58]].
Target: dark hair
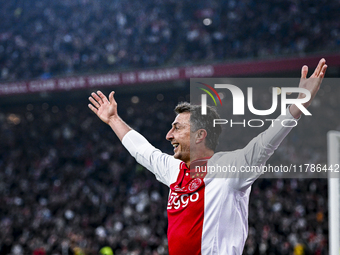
[[199, 121]]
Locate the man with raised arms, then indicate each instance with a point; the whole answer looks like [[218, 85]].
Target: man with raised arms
[[206, 215]]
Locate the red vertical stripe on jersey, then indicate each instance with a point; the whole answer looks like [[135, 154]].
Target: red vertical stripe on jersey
[[186, 212]]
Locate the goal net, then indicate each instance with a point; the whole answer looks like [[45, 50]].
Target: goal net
[[333, 141]]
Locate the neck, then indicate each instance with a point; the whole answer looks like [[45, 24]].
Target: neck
[[198, 155]]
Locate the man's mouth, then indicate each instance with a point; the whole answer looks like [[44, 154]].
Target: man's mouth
[[175, 145]]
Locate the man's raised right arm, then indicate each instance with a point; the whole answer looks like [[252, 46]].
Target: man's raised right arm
[[106, 110], [164, 167]]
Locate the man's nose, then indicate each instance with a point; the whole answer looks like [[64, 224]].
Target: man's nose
[[169, 135]]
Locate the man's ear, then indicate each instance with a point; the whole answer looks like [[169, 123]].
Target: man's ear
[[201, 135]]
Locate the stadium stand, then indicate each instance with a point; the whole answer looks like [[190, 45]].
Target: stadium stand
[[40, 39], [67, 183], [67, 186]]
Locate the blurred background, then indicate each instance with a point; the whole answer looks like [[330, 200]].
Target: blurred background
[[67, 185]]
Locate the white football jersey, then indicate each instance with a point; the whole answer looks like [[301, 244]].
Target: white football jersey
[[207, 214]]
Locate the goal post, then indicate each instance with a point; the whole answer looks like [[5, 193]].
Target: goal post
[[333, 152]]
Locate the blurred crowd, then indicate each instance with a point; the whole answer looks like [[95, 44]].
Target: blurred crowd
[[68, 186], [40, 39]]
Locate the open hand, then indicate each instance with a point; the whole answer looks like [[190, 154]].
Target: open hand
[[312, 84], [105, 109], [314, 81]]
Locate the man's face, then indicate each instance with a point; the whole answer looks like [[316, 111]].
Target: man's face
[[179, 136]]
